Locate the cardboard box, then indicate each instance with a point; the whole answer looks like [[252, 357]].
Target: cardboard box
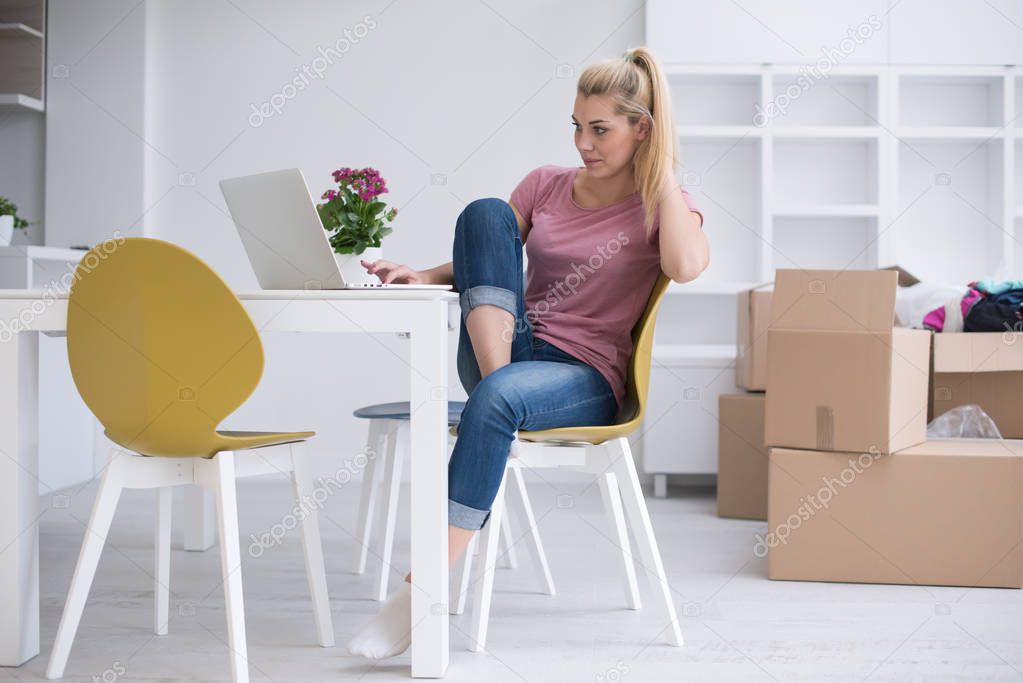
[[985, 368], [840, 377], [742, 457], [946, 512], [754, 314]]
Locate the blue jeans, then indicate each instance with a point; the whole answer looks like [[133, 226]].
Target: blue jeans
[[542, 388]]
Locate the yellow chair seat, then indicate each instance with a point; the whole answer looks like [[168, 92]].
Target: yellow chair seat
[[228, 440]]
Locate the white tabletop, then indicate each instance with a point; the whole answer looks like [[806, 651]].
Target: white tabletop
[[292, 294]]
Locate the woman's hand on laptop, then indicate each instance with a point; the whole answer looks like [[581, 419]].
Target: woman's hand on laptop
[[389, 272]]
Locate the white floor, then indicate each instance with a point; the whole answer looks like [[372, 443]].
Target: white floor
[[738, 625]]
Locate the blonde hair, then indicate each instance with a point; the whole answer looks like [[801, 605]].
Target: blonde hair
[[639, 88]]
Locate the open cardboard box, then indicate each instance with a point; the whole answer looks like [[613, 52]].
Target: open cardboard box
[[753, 317], [840, 376], [985, 368]]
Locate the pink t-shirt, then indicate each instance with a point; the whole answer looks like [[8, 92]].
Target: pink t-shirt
[[590, 271]]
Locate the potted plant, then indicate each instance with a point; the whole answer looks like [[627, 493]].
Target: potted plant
[[9, 221], [356, 220]]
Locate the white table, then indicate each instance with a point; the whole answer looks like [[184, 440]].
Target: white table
[[422, 313]]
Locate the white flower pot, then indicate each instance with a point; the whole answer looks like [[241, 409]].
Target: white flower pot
[[6, 230], [352, 269]]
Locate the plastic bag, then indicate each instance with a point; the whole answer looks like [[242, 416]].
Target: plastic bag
[[964, 422]]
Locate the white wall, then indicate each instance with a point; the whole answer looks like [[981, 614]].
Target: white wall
[[450, 102]]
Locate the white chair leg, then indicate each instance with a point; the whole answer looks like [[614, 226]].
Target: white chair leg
[[312, 546], [88, 559], [162, 547], [508, 556], [376, 445], [398, 435], [221, 477], [539, 556], [200, 531], [616, 520], [486, 568], [642, 529], [464, 573]]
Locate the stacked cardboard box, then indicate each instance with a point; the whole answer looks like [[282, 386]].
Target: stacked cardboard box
[[742, 456], [855, 491]]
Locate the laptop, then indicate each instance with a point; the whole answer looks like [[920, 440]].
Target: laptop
[[285, 241]]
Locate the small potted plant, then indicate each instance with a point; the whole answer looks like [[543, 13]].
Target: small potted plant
[[9, 221], [356, 220]]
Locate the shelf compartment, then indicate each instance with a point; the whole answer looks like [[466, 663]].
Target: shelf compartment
[[31, 13], [22, 54], [1017, 112], [687, 319], [950, 209], [1017, 192], [824, 241], [971, 101], [1017, 262], [724, 180], [835, 100], [714, 99], [815, 172]]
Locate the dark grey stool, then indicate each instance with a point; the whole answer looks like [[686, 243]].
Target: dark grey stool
[[386, 445]]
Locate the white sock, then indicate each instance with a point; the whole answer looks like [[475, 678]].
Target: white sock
[[390, 632]]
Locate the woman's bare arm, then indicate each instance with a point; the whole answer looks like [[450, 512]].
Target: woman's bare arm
[[443, 274]]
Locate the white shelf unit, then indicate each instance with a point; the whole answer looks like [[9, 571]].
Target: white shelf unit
[[859, 168], [797, 171], [869, 166], [23, 55]]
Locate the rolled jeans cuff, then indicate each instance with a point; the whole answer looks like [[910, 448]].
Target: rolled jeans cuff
[[466, 517], [487, 294]]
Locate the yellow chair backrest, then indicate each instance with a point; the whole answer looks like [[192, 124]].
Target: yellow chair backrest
[[633, 407], [160, 347]]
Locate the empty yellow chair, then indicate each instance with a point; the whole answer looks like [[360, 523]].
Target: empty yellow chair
[[161, 351]]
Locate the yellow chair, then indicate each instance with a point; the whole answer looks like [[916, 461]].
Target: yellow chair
[[602, 451], [161, 351]]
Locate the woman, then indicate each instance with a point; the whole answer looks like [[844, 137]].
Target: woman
[[556, 354]]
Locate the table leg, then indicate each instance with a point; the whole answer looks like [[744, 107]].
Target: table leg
[[19, 497], [429, 491]]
